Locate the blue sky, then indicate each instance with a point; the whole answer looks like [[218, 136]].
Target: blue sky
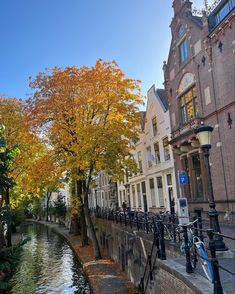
[[36, 34]]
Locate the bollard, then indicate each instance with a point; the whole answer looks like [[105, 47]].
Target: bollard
[[162, 242], [189, 268], [215, 264]]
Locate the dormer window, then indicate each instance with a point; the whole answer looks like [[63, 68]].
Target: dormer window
[[224, 11], [181, 31], [183, 51]]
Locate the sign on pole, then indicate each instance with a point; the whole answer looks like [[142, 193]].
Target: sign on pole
[[183, 179]]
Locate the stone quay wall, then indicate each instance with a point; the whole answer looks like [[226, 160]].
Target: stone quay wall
[[130, 248]]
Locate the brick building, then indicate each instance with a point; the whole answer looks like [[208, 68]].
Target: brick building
[[200, 85]]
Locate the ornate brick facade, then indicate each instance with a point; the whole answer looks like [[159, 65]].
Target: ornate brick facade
[[200, 86]]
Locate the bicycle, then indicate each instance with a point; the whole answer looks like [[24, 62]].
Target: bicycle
[[169, 227], [197, 250]]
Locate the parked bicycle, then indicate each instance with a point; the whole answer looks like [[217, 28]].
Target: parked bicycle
[[197, 251]]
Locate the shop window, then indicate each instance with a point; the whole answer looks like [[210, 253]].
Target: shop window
[[160, 191], [143, 186], [138, 194], [133, 196], [189, 106], [197, 176], [187, 187]]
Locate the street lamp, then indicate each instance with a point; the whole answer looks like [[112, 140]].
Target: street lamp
[[204, 137]]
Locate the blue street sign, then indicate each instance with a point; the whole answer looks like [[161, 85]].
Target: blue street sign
[[183, 179]]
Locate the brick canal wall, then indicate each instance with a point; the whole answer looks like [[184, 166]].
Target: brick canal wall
[[129, 249]]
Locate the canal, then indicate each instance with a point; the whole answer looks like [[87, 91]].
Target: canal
[[47, 265]]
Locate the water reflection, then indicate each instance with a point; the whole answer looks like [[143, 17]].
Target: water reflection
[[47, 265]]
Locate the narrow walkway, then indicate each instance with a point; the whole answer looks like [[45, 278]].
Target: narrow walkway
[[104, 275]]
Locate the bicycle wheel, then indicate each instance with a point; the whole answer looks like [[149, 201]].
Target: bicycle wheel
[[205, 263]]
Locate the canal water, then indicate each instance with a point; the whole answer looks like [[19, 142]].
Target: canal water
[[47, 265]]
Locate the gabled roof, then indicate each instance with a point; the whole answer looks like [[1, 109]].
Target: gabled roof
[[160, 94]]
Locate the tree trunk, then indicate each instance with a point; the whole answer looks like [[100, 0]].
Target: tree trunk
[[84, 237], [91, 228], [7, 200], [47, 208], [2, 240]]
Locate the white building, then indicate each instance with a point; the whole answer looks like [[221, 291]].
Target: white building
[[104, 194], [153, 188]]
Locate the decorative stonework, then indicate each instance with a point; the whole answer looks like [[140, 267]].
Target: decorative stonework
[[187, 80]]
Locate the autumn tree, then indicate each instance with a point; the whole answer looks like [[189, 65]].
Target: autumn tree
[[89, 115]]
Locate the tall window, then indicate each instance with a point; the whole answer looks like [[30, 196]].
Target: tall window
[[160, 191], [157, 153], [224, 11], [189, 105], [138, 194], [183, 51], [144, 196], [149, 156], [152, 192], [139, 156], [133, 195], [154, 125], [181, 31], [166, 148]]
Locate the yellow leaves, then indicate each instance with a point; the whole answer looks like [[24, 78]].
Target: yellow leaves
[[92, 113]]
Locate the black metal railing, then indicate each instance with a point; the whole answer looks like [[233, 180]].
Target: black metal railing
[[165, 229]]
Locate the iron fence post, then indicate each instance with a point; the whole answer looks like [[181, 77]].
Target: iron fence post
[[125, 218], [199, 216], [189, 268], [214, 263], [162, 242], [146, 222], [137, 222], [157, 243]]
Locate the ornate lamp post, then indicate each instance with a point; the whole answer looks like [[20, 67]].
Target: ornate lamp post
[[204, 137]]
